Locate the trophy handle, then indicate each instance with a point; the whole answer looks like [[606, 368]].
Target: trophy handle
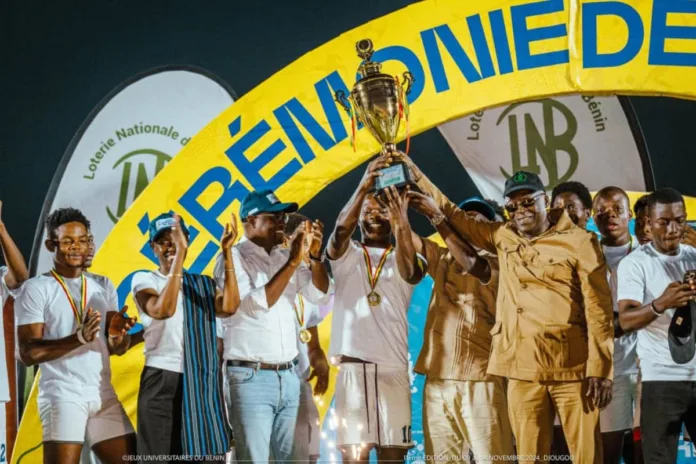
[[408, 81], [340, 97]]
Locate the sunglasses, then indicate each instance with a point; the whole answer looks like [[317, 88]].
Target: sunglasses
[[527, 203]]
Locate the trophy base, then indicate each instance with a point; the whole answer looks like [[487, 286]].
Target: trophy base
[[397, 175]]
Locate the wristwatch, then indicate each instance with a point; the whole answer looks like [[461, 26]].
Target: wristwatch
[[317, 259], [437, 219]]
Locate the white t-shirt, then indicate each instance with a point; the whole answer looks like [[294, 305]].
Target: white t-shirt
[[624, 347], [5, 293], [164, 338], [312, 318], [84, 374], [378, 335], [643, 276]]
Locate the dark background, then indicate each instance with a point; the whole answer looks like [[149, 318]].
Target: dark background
[[59, 59]]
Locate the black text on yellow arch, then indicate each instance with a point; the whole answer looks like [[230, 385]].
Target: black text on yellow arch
[[141, 177]]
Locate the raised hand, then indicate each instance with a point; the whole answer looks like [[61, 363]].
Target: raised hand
[[178, 236], [229, 236], [315, 237], [424, 204], [372, 173], [91, 325], [397, 206], [298, 245], [688, 237], [120, 323]]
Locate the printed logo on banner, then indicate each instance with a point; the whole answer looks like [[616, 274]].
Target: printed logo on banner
[[544, 144], [127, 143], [138, 167], [582, 138]]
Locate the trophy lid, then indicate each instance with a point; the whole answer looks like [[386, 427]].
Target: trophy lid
[[365, 49]]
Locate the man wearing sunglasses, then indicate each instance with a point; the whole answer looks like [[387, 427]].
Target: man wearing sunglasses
[[260, 347], [553, 336]]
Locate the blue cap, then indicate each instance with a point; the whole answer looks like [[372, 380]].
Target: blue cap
[[479, 205], [264, 201], [163, 223]]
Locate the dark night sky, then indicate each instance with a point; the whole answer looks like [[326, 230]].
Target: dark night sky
[[61, 58]]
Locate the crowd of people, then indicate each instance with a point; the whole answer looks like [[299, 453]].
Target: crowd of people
[[533, 322]]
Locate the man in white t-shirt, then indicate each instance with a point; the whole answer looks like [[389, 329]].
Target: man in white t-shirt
[[612, 214], [650, 289], [369, 333], [260, 347], [167, 423], [11, 277], [69, 323]]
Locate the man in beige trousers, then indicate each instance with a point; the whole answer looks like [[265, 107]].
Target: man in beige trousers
[[553, 337]]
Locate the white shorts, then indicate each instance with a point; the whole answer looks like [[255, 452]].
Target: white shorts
[[80, 422], [307, 430], [359, 394], [619, 414]]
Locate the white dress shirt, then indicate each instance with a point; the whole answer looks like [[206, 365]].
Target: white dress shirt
[[257, 332]]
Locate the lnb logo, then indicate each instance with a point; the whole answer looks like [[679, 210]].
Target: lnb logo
[[545, 142], [138, 168]]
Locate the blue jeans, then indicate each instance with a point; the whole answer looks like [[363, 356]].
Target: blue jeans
[[263, 413]]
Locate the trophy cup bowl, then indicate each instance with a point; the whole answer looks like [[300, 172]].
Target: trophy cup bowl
[[377, 100]]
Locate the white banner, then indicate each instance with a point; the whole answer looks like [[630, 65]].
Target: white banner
[[125, 143], [582, 138]]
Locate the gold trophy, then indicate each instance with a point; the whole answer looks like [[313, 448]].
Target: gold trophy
[[378, 101]]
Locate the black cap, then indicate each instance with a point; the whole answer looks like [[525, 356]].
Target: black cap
[[479, 205], [682, 334], [523, 180]]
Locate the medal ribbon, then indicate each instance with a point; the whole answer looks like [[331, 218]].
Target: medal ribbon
[[373, 278], [78, 312], [300, 319]]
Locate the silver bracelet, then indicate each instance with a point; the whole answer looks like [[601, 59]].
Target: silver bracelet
[[653, 309], [80, 338]]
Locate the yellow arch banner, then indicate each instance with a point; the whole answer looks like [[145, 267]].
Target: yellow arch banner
[[288, 134]]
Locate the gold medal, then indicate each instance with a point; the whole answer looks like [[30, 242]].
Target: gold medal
[[305, 336], [374, 299]]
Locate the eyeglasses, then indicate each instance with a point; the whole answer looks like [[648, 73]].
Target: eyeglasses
[[526, 203]]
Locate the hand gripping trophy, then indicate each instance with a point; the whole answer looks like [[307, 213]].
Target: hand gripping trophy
[[378, 101]]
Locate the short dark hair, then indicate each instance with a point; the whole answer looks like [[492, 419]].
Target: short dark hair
[[641, 205], [665, 196], [293, 222], [499, 210], [611, 190], [63, 216], [577, 188]]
